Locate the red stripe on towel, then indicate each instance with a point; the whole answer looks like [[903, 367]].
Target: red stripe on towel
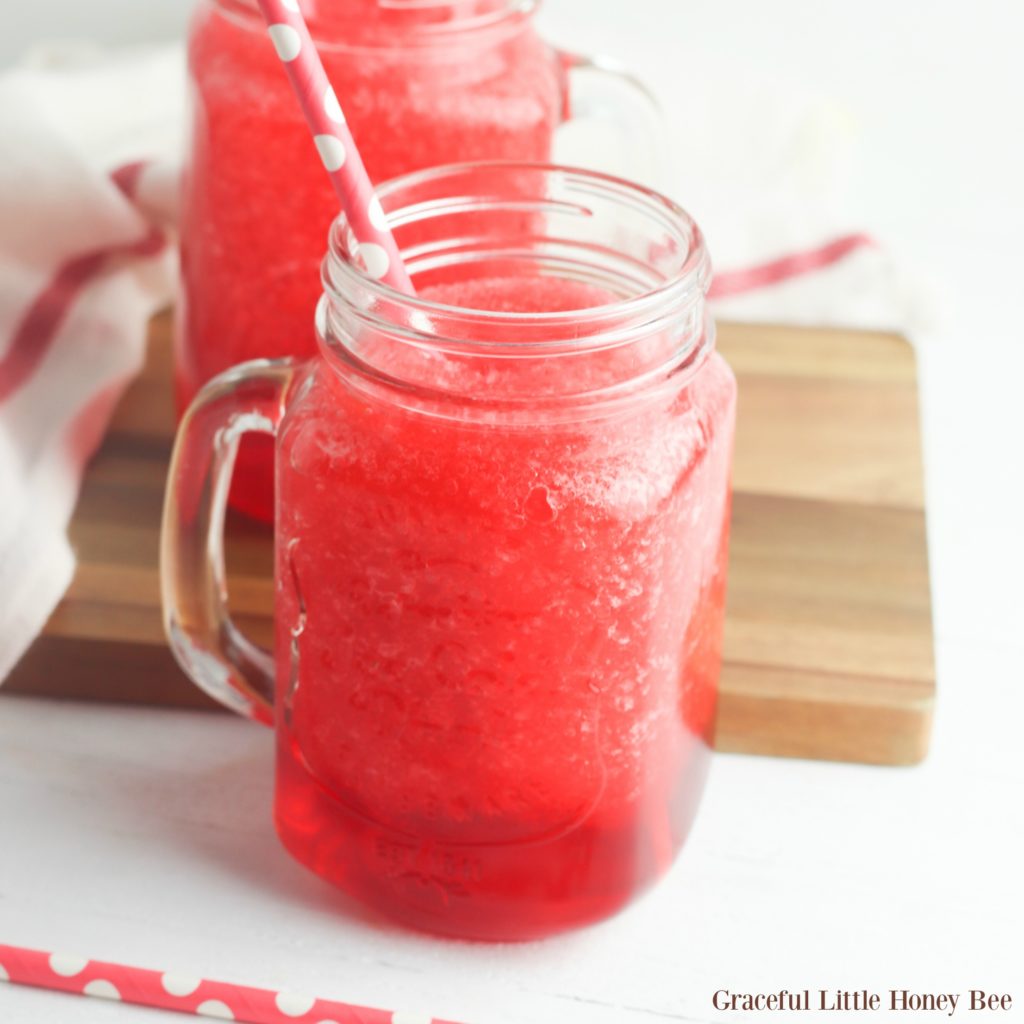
[[38, 328], [728, 283]]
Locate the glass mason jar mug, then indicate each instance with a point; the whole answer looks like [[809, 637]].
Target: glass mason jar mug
[[501, 531], [422, 83]]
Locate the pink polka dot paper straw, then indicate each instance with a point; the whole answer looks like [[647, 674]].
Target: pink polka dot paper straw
[[184, 993], [376, 249]]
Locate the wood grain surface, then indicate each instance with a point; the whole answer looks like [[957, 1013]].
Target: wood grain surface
[[828, 646]]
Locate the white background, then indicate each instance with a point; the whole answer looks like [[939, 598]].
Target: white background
[[798, 874]]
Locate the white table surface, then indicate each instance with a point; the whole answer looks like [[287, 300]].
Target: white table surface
[[145, 836]]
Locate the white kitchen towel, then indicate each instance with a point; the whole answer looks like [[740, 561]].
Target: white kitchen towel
[[89, 144], [83, 265]]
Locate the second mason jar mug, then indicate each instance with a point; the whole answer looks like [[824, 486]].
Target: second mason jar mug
[[422, 83], [501, 529]]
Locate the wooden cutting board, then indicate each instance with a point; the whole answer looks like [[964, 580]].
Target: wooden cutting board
[[828, 646]]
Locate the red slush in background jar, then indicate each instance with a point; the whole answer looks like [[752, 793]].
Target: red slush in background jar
[[501, 539], [421, 84]]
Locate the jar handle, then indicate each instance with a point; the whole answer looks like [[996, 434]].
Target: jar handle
[[601, 89], [213, 652]]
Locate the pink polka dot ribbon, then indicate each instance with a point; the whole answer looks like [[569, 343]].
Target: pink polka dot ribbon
[[184, 993], [375, 248]]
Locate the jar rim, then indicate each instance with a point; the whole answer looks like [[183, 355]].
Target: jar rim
[[510, 13], [632, 242], [688, 284]]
